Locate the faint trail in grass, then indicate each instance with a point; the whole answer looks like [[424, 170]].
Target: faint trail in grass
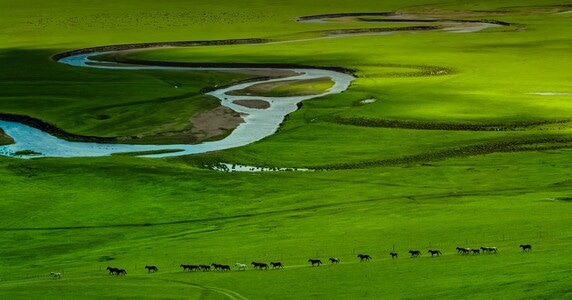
[[228, 293]]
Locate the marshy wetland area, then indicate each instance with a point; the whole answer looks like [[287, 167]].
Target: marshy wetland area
[[285, 149]]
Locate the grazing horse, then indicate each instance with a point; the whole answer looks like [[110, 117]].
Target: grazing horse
[[461, 250], [315, 262], [363, 257], [435, 252], [240, 266], [335, 260], [113, 271], [276, 265], [151, 269], [414, 253], [394, 255], [56, 275], [526, 247], [476, 251]]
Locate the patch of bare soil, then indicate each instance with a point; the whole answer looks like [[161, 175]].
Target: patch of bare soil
[[259, 104], [5, 139], [218, 122]]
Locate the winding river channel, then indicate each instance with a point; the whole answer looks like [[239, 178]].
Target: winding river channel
[[30, 142], [258, 123]]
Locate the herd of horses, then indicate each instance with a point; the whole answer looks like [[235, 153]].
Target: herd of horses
[[314, 262]]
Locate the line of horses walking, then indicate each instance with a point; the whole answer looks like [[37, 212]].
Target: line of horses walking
[[313, 262]]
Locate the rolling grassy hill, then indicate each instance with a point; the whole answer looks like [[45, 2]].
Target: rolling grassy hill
[[466, 145]]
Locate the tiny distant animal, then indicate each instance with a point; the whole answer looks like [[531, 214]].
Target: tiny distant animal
[[394, 255], [315, 262], [55, 275], [415, 253], [526, 247], [364, 257], [334, 260], [151, 269], [435, 252], [276, 265]]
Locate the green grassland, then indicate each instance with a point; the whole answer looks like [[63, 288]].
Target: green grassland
[[458, 150]]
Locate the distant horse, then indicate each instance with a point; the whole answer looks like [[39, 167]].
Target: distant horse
[[217, 267], [205, 267], [363, 257], [189, 267], [113, 271], [490, 249], [240, 266], [224, 267], [56, 275], [463, 250], [258, 265], [121, 272], [394, 255], [276, 265], [435, 252], [315, 262], [526, 247], [476, 251], [151, 269], [335, 260], [414, 253]]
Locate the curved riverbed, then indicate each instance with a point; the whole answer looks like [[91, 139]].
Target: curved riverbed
[[258, 123]]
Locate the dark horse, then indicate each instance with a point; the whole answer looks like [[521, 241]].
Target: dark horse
[[435, 252], [394, 255], [335, 260], [113, 271], [258, 265], [151, 269], [121, 272], [315, 262], [189, 267], [205, 267], [219, 267], [363, 257], [276, 265], [476, 251], [414, 253], [526, 247], [461, 250]]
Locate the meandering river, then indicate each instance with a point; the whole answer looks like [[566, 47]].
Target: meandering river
[[258, 123]]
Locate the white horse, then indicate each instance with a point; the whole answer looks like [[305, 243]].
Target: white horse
[[56, 275], [240, 266]]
